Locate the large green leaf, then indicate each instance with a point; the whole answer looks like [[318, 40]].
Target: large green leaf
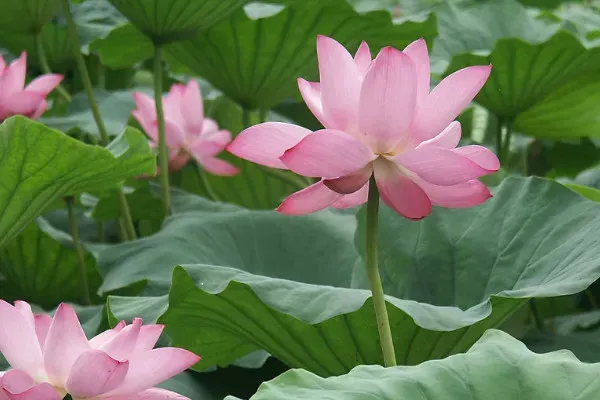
[[497, 367], [26, 15], [547, 86], [38, 165], [168, 20], [40, 266], [293, 285], [256, 61]]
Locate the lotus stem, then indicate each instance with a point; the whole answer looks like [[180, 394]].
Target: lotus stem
[[207, 186], [87, 85], [74, 230], [163, 155], [383, 322], [41, 55]]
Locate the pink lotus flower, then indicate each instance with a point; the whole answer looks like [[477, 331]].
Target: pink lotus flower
[[29, 101], [18, 385], [188, 132], [380, 118], [118, 364]]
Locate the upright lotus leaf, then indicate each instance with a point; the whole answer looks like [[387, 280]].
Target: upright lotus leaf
[[169, 20], [55, 41], [496, 367], [547, 86], [26, 16], [40, 266], [256, 61], [262, 281], [39, 165]]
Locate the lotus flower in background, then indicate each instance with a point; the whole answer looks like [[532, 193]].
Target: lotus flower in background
[[380, 118], [118, 364], [15, 98], [188, 132]]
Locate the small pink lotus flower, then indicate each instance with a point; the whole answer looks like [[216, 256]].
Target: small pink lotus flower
[[18, 385], [118, 364], [188, 132], [29, 101], [380, 118]]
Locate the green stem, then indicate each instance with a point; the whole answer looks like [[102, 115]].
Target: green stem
[[163, 155], [78, 248], [537, 317], [507, 139], [41, 55], [126, 213], [383, 322], [499, 140], [245, 118], [100, 231], [87, 85], [207, 186], [591, 298]]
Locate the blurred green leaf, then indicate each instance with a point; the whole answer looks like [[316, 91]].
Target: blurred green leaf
[[44, 165]]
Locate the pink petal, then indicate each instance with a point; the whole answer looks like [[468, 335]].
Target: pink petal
[[149, 335], [350, 183], [145, 106], [13, 78], [210, 144], [2, 64], [417, 51], [352, 200], [447, 100], [174, 133], [121, 346], [43, 391], [24, 103], [150, 127], [152, 367], [94, 373], [327, 153], [44, 84], [153, 394], [16, 381], [100, 339], [216, 166], [209, 126], [462, 195], [313, 198], [340, 84], [42, 326], [25, 310], [440, 166], [481, 156], [192, 106], [362, 58], [65, 342], [265, 143], [399, 192], [311, 94], [173, 104], [178, 161], [18, 341], [387, 100], [448, 138], [42, 107]]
